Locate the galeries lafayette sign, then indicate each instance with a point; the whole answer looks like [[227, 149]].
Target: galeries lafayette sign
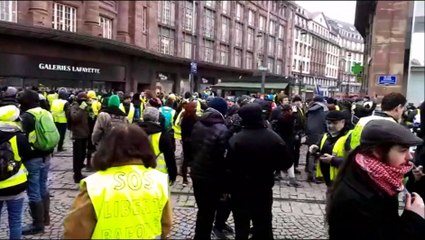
[[68, 68]]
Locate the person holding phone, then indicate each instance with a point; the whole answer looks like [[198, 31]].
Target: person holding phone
[[364, 198]]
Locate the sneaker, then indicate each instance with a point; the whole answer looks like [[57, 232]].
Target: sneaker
[[185, 183], [219, 233], [294, 183], [227, 228]]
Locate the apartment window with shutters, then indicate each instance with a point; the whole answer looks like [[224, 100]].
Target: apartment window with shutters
[[279, 48], [279, 67], [262, 23], [188, 18], [64, 17], [167, 12], [209, 23], [225, 25], [210, 4], [224, 54], [270, 64], [144, 19], [187, 46], [238, 33], [250, 39], [239, 12], [271, 46], [208, 50], [249, 60], [260, 44], [225, 7], [281, 31], [271, 28], [8, 11], [251, 18], [166, 41], [106, 25], [238, 58]]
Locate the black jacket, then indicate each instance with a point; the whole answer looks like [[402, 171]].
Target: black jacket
[[165, 146], [254, 154], [360, 210], [209, 140]]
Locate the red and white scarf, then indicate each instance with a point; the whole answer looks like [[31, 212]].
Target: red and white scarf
[[388, 178]]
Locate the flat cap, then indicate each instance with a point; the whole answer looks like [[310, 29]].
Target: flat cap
[[387, 131], [335, 115]]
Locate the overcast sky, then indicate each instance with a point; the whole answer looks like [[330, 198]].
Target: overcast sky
[[339, 10]]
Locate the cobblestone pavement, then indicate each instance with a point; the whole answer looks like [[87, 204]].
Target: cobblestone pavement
[[297, 212]]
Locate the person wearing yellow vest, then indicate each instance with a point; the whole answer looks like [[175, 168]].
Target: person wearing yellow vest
[[162, 144], [13, 176], [94, 102], [332, 148], [392, 107], [128, 107], [59, 109], [127, 198], [52, 96]]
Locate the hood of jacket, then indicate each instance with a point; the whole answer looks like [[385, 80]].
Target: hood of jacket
[[114, 110], [317, 106], [150, 127], [211, 117], [63, 95]]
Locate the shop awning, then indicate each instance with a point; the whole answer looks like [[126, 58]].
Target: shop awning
[[249, 86]]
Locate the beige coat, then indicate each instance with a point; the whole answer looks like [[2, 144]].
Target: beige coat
[[103, 124]]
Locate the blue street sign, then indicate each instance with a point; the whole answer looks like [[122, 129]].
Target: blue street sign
[[193, 67], [387, 80]]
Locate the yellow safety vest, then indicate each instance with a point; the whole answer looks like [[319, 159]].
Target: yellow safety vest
[[130, 114], [58, 111], [177, 126], [128, 202], [51, 97], [357, 131], [21, 176], [338, 150], [337, 108], [161, 165]]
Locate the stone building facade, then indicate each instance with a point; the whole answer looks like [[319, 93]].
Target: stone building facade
[[142, 44]]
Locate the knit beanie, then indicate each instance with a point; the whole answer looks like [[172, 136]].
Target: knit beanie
[[151, 114], [114, 101], [219, 104]]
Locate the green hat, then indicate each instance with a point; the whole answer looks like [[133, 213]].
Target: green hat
[[114, 101]]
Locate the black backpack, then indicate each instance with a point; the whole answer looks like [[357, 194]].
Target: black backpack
[[8, 165]]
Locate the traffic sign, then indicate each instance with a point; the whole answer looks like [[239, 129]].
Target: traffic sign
[[193, 67], [387, 80]]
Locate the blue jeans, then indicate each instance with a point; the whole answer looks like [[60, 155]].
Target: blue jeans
[[14, 212], [38, 169]]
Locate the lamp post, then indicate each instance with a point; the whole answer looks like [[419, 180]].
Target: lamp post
[[192, 74]]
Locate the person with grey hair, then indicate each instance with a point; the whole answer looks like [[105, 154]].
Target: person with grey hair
[[161, 142]]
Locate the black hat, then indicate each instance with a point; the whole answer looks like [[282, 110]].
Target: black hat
[[335, 115], [387, 131], [251, 114]]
